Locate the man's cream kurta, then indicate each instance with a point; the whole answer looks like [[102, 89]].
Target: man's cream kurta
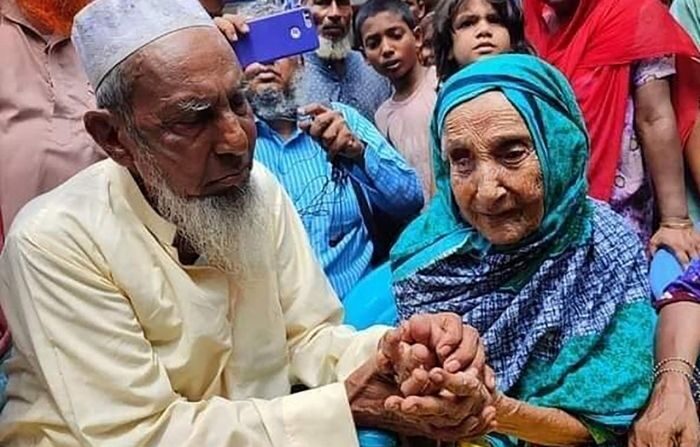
[[118, 344]]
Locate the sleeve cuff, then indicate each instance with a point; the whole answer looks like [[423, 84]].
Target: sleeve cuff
[[319, 417], [372, 164]]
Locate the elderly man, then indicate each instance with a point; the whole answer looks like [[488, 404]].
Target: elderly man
[[169, 296], [336, 73], [328, 166], [43, 96]]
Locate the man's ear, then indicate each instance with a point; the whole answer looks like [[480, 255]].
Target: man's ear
[[102, 127]]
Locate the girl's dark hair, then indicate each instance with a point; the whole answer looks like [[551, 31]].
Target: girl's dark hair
[[511, 16]]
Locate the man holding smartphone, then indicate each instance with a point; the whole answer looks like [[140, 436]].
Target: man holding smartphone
[[330, 159]]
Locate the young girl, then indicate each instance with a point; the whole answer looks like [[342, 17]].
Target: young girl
[[466, 30]]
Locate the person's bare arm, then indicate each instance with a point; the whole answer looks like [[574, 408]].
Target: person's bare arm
[[539, 425], [656, 126], [670, 418]]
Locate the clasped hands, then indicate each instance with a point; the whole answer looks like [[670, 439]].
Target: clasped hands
[[428, 378]]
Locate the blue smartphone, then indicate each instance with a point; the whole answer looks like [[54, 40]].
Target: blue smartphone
[[277, 36]]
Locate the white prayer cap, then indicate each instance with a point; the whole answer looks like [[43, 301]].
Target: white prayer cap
[[106, 32]]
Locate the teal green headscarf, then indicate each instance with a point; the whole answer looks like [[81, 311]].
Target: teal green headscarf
[[544, 99]]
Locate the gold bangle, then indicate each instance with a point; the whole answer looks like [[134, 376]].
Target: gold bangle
[[677, 223]]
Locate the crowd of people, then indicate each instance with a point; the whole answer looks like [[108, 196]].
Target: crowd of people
[[187, 242]]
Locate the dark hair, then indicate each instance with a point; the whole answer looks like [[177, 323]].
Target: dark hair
[[511, 16], [374, 7]]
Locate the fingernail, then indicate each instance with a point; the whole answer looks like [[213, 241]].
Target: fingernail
[[452, 366], [445, 350], [438, 377]]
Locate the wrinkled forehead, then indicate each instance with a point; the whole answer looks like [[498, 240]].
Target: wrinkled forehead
[[483, 113], [487, 117], [197, 60]]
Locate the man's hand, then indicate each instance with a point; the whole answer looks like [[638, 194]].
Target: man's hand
[[329, 128], [232, 25], [670, 419], [438, 364], [444, 416]]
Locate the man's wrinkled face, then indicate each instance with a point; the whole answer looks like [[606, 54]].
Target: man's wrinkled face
[[189, 107], [52, 16], [333, 18], [494, 171]]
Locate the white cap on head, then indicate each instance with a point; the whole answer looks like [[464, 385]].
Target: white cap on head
[[106, 32]]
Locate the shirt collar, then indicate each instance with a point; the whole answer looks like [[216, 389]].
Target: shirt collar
[[266, 131], [12, 12], [127, 189]]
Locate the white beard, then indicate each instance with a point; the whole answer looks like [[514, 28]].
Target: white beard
[[334, 51], [229, 231], [271, 104]]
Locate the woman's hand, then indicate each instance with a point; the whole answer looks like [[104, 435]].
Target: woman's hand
[[683, 242], [670, 419]]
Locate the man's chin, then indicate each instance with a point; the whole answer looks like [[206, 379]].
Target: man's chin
[[334, 49]]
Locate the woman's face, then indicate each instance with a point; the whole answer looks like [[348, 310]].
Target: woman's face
[[478, 31], [494, 171]]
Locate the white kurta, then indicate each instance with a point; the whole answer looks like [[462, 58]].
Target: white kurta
[[119, 344]]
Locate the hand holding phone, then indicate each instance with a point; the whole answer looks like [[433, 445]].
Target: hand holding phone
[[329, 128], [232, 26]]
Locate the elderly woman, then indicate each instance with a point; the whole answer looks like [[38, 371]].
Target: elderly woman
[[555, 282]]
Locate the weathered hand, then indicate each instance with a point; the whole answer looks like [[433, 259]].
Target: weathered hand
[[329, 128], [670, 419], [232, 25], [443, 417], [683, 242], [446, 405], [458, 346]]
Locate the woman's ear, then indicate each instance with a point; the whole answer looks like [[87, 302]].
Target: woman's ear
[[103, 128]]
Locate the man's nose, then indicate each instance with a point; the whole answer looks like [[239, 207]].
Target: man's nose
[[334, 11], [232, 138]]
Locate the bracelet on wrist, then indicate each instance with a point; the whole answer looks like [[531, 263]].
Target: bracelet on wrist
[[677, 223]]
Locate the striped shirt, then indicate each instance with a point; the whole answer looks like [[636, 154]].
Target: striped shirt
[[327, 203]]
